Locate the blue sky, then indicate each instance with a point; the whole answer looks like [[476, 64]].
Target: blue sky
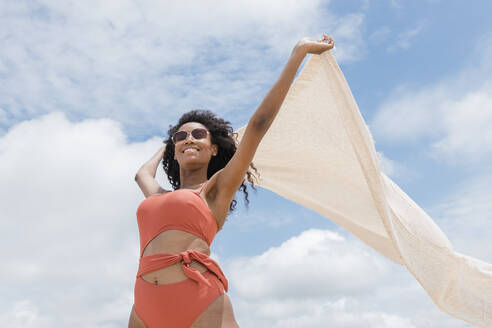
[[89, 89]]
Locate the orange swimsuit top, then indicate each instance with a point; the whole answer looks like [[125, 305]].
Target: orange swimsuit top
[[181, 209]]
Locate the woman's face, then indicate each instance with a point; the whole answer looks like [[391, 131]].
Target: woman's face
[[202, 149]]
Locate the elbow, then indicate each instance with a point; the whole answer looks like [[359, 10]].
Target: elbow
[[138, 175], [143, 172]]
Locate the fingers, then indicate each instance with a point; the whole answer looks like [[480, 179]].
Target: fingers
[[326, 39], [318, 46], [324, 44]]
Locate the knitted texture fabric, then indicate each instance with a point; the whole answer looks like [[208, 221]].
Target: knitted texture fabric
[[319, 153]]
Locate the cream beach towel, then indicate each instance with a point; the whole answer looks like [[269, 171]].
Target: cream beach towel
[[319, 153]]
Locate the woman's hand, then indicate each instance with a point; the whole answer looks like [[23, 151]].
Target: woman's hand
[[309, 46]]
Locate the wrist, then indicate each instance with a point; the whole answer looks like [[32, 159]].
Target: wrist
[[299, 50]]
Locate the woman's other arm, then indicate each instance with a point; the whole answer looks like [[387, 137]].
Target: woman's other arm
[[145, 176]]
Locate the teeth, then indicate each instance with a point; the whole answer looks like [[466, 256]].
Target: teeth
[[190, 149]]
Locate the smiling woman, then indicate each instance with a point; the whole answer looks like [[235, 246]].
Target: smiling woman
[[213, 139], [198, 147], [178, 285]]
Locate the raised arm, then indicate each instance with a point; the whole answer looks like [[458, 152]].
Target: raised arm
[[145, 176], [232, 175], [270, 105]]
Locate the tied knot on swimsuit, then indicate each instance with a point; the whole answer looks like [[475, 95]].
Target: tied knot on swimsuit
[[155, 262], [191, 273]]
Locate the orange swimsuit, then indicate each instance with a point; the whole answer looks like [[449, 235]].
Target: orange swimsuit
[[176, 305]]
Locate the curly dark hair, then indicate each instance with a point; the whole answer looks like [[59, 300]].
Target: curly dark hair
[[222, 134]]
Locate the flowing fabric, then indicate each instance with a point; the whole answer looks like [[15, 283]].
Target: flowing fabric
[[319, 153]]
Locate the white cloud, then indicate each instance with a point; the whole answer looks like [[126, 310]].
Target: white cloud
[[25, 314], [406, 39], [341, 268], [316, 313], [454, 114], [467, 126], [321, 277], [381, 34], [68, 221], [395, 3], [144, 63], [465, 216], [395, 169], [272, 218], [388, 166], [348, 37]]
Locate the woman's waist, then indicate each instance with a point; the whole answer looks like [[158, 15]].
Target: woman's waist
[[174, 242], [165, 268], [172, 273]]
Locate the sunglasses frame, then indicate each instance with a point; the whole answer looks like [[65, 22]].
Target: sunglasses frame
[[188, 133]]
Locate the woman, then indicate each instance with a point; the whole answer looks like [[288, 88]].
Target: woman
[[178, 285]]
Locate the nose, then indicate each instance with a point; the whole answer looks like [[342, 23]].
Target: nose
[[189, 140], [188, 136]]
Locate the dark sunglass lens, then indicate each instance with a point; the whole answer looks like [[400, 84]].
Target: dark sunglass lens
[[199, 133], [180, 135]]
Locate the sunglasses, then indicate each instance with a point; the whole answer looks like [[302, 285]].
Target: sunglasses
[[198, 133]]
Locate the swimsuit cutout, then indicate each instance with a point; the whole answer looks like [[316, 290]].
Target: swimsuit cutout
[[177, 304]]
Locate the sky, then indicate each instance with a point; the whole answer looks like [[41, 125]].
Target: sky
[[88, 90]]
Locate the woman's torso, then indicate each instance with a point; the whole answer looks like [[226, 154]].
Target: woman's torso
[[175, 241]]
